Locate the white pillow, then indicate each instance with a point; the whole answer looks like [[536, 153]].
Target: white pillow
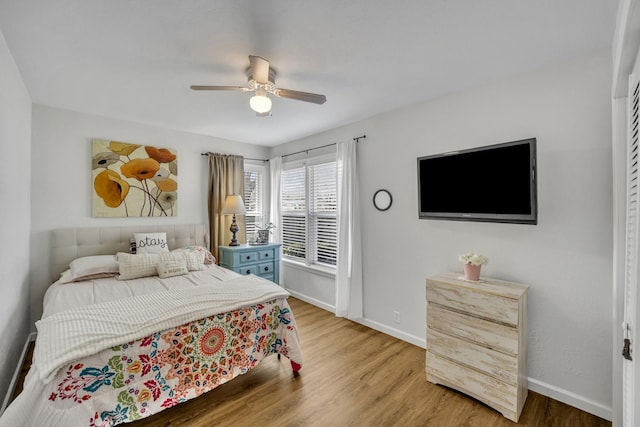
[[65, 277], [202, 251], [144, 265], [90, 266], [171, 268], [151, 243], [194, 260], [136, 266]]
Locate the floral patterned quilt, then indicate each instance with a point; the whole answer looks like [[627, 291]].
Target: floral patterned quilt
[[139, 378]]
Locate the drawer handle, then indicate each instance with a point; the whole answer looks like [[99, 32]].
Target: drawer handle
[[266, 255], [248, 256], [248, 272], [266, 269]]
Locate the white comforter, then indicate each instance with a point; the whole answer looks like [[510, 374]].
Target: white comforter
[[61, 296], [82, 331]]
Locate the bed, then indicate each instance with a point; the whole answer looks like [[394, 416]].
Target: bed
[[113, 347]]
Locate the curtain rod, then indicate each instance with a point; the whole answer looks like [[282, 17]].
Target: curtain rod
[[356, 139], [246, 158]]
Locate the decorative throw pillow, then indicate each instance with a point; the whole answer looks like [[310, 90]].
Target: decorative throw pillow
[[136, 266], [208, 257], [144, 265], [151, 243], [171, 268], [199, 256]]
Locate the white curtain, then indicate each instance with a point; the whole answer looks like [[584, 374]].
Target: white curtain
[[275, 170], [349, 266]]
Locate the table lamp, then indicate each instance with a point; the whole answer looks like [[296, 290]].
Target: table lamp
[[233, 205]]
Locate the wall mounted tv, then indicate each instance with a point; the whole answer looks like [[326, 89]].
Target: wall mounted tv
[[495, 183]]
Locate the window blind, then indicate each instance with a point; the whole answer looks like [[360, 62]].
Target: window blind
[[293, 212], [322, 212], [253, 200], [308, 210]]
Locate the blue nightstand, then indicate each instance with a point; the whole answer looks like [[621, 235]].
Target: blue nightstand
[[261, 260]]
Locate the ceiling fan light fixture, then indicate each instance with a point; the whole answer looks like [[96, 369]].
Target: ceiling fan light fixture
[[260, 103], [261, 79]]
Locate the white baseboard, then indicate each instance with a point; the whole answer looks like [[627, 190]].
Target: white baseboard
[[571, 399], [16, 374], [312, 301], [396, 333]]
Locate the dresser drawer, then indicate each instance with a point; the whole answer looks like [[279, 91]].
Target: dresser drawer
[[499, 365], [495, 393], [489, 334], [489, 306]]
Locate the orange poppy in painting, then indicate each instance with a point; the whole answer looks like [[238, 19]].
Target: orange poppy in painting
[[162, 155], [111, 188], [140, 169], [167, 185], [122, 148]]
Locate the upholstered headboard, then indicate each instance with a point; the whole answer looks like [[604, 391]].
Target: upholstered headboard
[[68, 244]]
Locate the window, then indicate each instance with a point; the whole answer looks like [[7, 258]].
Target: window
[[308, 210], [254, 182]]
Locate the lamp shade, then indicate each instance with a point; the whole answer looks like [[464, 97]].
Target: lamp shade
[[233, 204]]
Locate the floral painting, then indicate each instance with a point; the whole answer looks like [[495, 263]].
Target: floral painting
[[133, 180]]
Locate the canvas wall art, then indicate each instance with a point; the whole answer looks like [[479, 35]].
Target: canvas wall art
[[132, 180]]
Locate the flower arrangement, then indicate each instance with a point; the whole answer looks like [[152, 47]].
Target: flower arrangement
[[473, 258], [267, 227], [264, 232]]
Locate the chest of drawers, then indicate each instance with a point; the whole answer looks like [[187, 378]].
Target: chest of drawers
[[477, 340], [261, 260]]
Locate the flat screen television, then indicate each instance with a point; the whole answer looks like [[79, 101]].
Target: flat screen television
[[495, 183]]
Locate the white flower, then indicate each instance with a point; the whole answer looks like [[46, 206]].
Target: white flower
[[473, 258]]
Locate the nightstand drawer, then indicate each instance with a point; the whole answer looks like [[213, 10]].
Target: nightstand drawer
[[248, 257], [494, 307], [494, 363], [249, 269], [265, 267], [489, 334], [267, 254]]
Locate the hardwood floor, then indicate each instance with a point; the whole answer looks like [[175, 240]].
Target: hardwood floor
[[351, 376]]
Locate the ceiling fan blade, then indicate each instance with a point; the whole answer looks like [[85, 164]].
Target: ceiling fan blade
[[259, 69], [300, 96], [238, 88]]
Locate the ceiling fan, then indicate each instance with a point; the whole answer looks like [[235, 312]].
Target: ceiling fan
[[262, 81]]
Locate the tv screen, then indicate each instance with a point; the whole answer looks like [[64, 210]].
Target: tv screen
[[495, 183]]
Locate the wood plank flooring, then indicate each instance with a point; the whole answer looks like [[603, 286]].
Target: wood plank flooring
[[352, 376]]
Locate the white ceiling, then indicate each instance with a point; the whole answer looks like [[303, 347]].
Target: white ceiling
[[135, 59]]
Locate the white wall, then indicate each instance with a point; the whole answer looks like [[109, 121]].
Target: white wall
[[62, 185], [15, 181], [566, 259]]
